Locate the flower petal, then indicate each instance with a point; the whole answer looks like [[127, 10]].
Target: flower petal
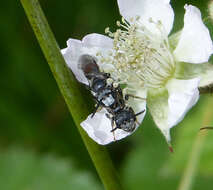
[[99, 129], [195, 44], [71, 55], [91, 44], [158, 10], [168, 108], [157, 102], [97, 40], [188, 71], [183, 94]]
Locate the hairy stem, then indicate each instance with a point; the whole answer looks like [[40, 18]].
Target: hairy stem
[[74, 96]]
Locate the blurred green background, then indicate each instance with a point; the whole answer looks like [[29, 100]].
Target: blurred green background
[[40, 148]]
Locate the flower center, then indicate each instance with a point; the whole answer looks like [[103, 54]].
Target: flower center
[[140, 56]]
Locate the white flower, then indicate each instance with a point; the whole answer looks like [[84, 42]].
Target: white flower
[[167, 71], [99, 127]]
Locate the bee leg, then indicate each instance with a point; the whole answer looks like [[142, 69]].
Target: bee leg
[[95, 110], [126, 97], [113, 131], [112, 124], [139, 113], [108, 116]]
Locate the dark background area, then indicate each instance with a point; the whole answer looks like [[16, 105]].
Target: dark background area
[[35, 122]]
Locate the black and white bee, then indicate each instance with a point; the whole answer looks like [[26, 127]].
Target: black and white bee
[[108, 95]]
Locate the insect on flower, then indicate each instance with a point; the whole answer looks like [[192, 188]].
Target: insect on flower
[[165, 69], [109, 95]]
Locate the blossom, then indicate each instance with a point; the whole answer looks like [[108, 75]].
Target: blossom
[[165, 69]]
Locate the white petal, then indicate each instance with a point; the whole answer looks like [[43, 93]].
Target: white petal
[[98, 40], [71, 55], [195, 44], [183, 94], [158, 10], [99, 129], [169, 107], [91, 44]]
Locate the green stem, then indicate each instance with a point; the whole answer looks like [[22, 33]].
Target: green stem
[[189, 174], [74, 96]]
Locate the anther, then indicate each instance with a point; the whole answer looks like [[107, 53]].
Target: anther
[[107, 30], [118, 23]]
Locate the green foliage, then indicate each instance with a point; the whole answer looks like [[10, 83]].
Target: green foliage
[[21, 169], [33, 113]]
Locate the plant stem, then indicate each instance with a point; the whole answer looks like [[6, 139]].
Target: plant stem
[[189, 174], [74, 96]]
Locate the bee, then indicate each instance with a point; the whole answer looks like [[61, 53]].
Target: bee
[[108, 95]]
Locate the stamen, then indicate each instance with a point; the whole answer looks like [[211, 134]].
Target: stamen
[[140, 57]]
